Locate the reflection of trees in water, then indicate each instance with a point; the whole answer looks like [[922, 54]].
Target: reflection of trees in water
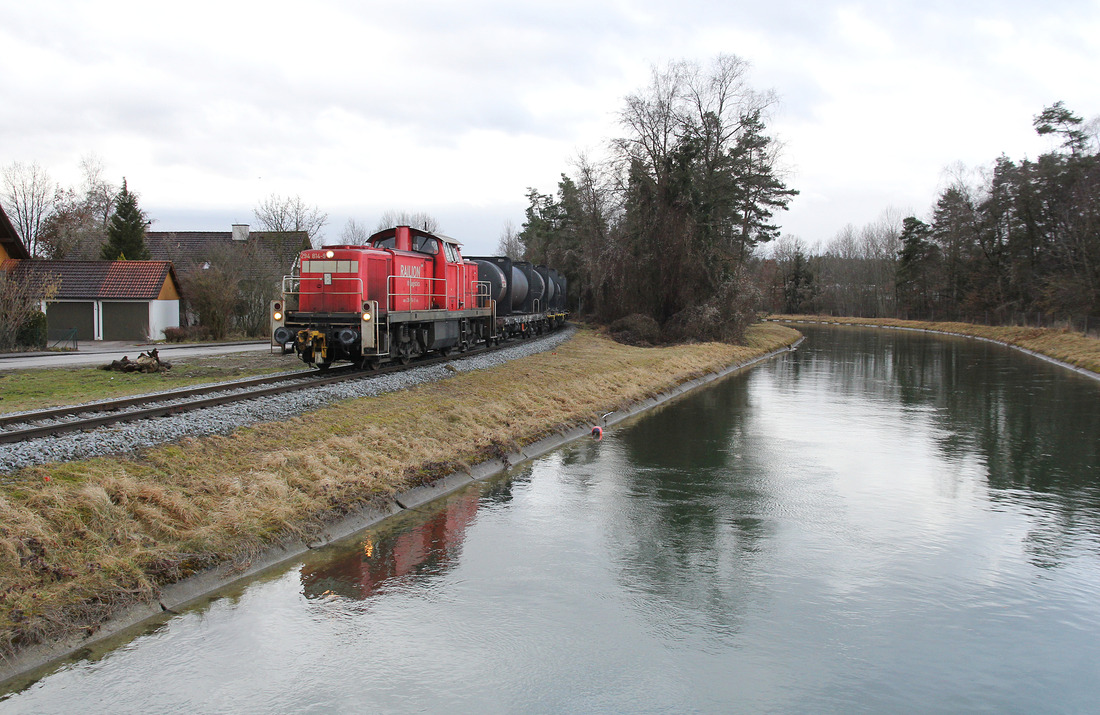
[[498, 492], [1035, 426], [693, 528]]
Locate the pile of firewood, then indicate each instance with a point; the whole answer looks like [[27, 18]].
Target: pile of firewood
[[146, 362]]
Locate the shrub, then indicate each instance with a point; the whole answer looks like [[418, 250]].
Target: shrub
[[175, 335], [185, 333], [32, 333], [635, 329], [724, 318]]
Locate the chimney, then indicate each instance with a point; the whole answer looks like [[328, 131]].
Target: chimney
[[240, 232]]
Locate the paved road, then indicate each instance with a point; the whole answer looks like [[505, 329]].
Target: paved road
[[105, 352]]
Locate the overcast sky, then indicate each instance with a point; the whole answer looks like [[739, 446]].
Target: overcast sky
[[455, 108]]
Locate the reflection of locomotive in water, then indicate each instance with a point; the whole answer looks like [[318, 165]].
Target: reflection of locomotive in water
[[427, 548], [405, 293]]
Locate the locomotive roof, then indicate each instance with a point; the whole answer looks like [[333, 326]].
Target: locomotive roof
[[387, 232]]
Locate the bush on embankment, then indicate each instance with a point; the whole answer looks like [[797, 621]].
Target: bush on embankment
[[79, 541]]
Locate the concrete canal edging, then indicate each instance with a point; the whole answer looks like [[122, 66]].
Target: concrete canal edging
[[206, 586]]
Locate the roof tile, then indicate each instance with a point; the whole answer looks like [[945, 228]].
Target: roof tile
[[100, 280]]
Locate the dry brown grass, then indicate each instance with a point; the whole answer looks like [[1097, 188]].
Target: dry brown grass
[[1061, 344], [79, 540]]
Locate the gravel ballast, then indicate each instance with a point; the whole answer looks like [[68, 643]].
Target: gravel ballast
[[133, 436]]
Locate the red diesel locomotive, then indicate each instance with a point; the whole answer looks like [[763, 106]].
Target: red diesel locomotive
[[405, 293]]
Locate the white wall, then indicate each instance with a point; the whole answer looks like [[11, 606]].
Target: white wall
[[163, 314]]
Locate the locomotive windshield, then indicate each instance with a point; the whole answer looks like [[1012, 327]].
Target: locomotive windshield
[[390, 242], [426, 244]]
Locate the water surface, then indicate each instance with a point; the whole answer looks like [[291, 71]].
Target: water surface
[[879, 522]]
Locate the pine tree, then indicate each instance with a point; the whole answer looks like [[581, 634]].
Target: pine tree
[[126, 230], [917, 262]]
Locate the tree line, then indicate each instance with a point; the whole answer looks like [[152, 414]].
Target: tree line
[[658, 235], [1023, 240]]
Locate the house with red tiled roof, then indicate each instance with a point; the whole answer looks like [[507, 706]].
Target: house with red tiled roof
[[107, 300]]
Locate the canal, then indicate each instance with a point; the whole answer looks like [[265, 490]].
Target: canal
[[881, 521]]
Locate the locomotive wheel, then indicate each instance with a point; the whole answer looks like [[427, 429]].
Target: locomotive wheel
[[324, 366]]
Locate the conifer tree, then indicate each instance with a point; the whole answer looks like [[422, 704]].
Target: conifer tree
[[126, 230]]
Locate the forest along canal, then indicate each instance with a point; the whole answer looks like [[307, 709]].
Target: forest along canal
[[881, 521]]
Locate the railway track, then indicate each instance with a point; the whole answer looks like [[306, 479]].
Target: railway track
[[76, 418]]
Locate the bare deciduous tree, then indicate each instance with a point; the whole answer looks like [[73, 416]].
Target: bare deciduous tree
[[213, 288], [354, 233], [76, 227], [28, 198], [71, 231], [20, 298], [99, 194], [417, 219], [856, 271], [510, 244], [276, 213]]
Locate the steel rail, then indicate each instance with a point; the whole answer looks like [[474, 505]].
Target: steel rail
[[165, 396], [108, 413]]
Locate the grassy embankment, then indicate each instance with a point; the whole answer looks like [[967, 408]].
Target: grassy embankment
[[80, 540], [40, 388], [1065, 345]]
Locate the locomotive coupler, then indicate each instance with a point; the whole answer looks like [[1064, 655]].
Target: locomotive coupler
[[313, 342]]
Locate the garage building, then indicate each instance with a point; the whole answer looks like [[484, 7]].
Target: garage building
[[108, 300]]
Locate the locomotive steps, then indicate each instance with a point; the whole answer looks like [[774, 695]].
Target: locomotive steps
[[90, 548]]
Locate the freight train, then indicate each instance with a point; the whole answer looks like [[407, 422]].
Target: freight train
[[407, 293]]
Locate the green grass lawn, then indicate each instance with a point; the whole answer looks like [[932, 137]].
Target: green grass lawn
[[33, 389]]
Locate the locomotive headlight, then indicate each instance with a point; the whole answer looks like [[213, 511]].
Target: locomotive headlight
[[329, 254], [366, 316], [278, 315]]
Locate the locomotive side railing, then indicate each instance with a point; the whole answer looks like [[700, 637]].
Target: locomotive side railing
[[292, 289], [483, 294], [290, 292], [410, 291], [328, 288], [413, 291]]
